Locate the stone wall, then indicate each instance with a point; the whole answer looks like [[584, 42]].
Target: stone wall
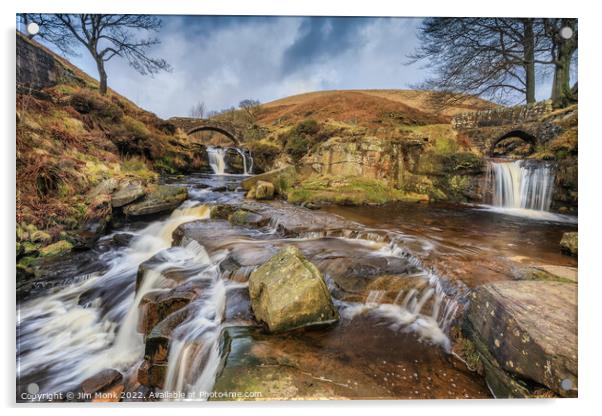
[[36, 68], [502, 116]]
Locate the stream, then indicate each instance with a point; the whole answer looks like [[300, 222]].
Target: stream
[[399, 275]]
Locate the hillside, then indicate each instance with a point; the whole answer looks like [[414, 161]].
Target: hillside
[[72, 144], [367, 107]]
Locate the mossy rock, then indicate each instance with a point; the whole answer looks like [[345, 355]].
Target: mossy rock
[[289, 292], [282, 179], [55, 249], [569, 243], [244, 217]]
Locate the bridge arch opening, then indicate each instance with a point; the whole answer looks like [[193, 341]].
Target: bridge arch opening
[[515, 143], [232, 139]]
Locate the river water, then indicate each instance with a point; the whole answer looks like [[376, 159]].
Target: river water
[[399, 283]]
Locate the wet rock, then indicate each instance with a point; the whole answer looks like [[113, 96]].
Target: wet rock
[[110, 395], [282, 179], [353, 274], [172, 276], [152, 375], [157, 342], [530, 329], [127, 194], [160, 200], [238, 305], [244, 217], [122, 239], [102, 381], [288, 292], [264, 190], [157, 305], [568, 244], [221, 212], [550, 273]]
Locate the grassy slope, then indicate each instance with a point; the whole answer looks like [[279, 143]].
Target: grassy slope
[[70, 139], [366, 106]]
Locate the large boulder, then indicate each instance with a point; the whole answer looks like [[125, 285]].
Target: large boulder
[[289, 292], [264, 190], [160, 200], [526, 331], [127, 194], [568, 244]]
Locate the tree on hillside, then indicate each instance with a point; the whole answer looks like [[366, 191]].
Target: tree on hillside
[[490, 57], [104, 36], [198, 110], [250, 107]]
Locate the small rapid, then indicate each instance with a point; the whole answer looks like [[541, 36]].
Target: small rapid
[[63, 341]]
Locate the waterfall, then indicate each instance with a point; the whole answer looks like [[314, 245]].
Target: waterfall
[[247, 164], [216, 159], [522, 185]]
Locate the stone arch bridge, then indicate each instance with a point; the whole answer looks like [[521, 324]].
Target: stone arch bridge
[[192, 125], [485, 129]]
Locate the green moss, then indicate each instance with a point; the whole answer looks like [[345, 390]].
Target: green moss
[[40, 237], [27, 247], [60, 247], [348, 191], [470, 355]]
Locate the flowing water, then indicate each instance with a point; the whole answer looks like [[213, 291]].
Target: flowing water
[[217, 159], [396, 306], [523, 188]]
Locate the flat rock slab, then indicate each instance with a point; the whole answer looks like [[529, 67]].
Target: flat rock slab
[[562, 272], [530, 328], [162, 199], [129, 193]]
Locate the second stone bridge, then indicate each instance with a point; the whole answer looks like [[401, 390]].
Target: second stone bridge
[[486, 129]]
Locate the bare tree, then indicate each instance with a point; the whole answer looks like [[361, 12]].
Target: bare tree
[[562, 37], [104, 36], [490, 57], [250, 107], [198, 110]]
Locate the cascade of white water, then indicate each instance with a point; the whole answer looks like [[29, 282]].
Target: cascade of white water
[[73, 341], [517, 185], [247, 161], [216, 159]]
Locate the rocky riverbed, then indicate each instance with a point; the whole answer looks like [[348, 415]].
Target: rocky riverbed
[[392, 302]]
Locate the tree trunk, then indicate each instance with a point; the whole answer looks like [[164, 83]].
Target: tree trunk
[[529, 59], [102, 76], [561, 90], [562, 95]]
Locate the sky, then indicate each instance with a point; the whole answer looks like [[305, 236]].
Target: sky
[[221, 60]]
